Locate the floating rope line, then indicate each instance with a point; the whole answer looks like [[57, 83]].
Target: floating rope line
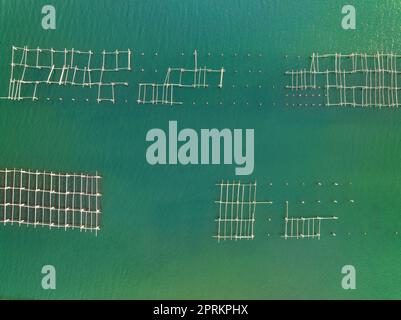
[[63, 67], [54, 200], [154, 93], [237, 208], [356, 79], [301, 228]]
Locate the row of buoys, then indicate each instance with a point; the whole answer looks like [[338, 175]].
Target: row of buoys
[[126, 101], [334, 234], [333, 201], [235, 71], [286, 57], [72, 99], [193, 102], [305, 95], [305, 104], [318, 183], [209, 54]]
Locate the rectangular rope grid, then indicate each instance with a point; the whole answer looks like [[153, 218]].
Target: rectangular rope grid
[[63, 67], [356, 79], [301, 228], [154, 93], [237, 208], [149, 93], [54, 200]]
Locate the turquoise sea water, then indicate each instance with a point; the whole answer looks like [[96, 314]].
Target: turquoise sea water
[[158, 222]]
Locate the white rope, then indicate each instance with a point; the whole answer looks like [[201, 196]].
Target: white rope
[[233, 222], [310, 226], [28, 204], [74, 62], [198, 80], [361, 79]]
